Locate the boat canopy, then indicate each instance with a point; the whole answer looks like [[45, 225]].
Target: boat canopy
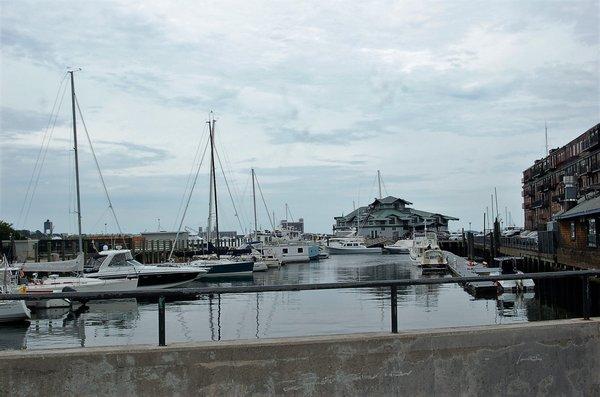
[[69, 266]]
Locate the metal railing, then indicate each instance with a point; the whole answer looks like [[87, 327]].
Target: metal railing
[[194, 293]]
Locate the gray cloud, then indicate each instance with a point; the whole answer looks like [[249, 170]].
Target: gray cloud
[[23, 121]]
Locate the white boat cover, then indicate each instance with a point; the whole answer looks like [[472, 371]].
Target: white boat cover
[[70, 266]]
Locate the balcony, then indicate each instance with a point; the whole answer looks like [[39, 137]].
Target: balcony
[[583, 169], [537, 204]]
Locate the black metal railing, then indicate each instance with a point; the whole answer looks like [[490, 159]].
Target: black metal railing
[[194, 293]]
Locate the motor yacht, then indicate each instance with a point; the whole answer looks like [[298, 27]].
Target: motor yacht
[[119, 264], [353, 246]]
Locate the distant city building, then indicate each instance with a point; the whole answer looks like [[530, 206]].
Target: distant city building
[[390, 217], [557, 182], [291, 225]]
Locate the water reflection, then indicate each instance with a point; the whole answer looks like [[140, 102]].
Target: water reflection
[[278, 314]]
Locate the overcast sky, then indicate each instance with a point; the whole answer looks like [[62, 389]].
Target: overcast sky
[[447, 99]]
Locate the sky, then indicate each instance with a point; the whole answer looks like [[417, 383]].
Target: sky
[[447, 99]]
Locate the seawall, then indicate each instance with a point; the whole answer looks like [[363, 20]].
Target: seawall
[[551, 357]]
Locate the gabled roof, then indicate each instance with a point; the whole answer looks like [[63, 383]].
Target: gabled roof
[[390, 200], [588, 207]]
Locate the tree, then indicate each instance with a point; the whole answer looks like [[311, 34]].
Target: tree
[[6, 230]]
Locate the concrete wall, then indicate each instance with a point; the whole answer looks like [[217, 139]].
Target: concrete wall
[[555, 358]]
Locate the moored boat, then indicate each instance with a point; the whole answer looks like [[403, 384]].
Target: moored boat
[[351, 247], [120, 265], [399, 247]]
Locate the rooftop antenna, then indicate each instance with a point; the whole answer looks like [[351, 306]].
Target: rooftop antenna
[[379, 182]]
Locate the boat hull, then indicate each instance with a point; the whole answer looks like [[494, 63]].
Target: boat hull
[[13, 312], [353, 251], [151, 279], [224, 270], [397, 250]]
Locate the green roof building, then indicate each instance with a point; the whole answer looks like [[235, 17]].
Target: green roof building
[[390, 217]]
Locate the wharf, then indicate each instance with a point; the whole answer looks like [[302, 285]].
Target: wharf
[[458, 267]]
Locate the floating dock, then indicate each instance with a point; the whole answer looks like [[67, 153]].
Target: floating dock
[[458, 267]]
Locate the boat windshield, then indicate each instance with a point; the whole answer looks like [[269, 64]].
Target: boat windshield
[[93, 264]]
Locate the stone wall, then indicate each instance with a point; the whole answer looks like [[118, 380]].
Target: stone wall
[[554, 357]]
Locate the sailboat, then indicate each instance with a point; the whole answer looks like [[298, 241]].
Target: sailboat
[[54, 283], [218, 267], [11, 311]]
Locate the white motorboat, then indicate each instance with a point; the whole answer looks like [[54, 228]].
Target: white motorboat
[[399, 247], [434, 258], [508, 265], [119, 265], [269, 258], [421, 243], [350, 247]]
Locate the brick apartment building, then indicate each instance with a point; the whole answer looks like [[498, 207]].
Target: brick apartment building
[[556, 183]]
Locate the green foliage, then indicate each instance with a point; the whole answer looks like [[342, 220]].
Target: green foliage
[[6, 230]]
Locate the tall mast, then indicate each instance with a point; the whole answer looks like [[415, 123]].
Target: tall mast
[[379, 182], [80, 240], [209, 225], [211, 127], [254, 201]]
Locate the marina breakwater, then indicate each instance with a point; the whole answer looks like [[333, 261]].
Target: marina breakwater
[[553, 357]]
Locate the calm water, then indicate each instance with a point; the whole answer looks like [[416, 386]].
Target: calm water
[[278, 314]]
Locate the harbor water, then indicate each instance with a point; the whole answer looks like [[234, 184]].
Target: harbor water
[[282, 314]]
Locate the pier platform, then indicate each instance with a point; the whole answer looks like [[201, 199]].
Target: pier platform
[[458, 267]]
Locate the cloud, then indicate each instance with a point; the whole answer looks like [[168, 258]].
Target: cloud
[[23, 121], [447, 99]]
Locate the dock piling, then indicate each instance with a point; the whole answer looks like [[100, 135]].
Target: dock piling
[[394, 308], [161, 321]]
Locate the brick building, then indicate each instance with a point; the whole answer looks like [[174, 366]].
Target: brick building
[[579, 234], [555, 183]]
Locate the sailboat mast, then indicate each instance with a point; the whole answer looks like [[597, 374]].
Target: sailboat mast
[[379, 182], [214, 180], [80, 240], [209, 225], [254, 202]]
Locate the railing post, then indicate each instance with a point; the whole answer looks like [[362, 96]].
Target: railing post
[[394, 308], [586, 297], [161, 321]]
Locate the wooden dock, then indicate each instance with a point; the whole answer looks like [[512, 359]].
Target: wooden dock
[[458, 267]]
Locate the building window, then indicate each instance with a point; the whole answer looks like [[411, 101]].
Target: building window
[[592, 235], [300, 250], [285, 250], [383, 229], [572, 231]]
